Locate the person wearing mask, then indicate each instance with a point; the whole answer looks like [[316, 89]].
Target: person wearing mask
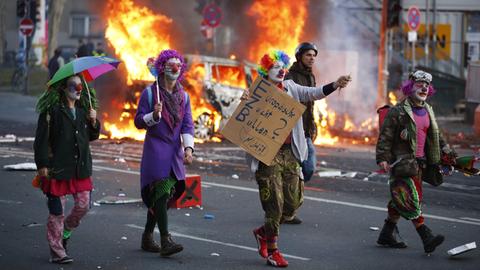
[[410, 147], [66, 125], [164, 111], [279, 184]]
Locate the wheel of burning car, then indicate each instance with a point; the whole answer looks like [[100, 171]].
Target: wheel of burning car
[[204, 127]]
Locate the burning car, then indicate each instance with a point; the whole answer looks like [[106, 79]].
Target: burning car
[[215, 86], [221, 83]]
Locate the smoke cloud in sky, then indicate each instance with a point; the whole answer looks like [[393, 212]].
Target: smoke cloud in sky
[[345, 48]]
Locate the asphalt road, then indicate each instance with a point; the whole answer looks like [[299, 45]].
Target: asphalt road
[[338, 212], [336, 234]]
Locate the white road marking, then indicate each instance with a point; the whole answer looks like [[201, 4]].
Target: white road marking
[[371, 207], [469, 218], [457, 186], [218, 242], [356, 205], [10, 202]]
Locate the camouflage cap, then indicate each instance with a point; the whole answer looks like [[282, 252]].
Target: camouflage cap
[[421, 76]]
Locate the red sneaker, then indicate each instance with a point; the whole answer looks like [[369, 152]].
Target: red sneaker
[[276, 259], [261, 244]]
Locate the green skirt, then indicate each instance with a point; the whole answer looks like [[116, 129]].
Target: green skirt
[[157, 190]]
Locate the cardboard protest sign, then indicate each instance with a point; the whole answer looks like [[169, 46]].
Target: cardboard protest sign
[[261, 123]]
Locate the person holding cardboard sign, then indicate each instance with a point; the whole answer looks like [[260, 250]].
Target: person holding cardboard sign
[[164, 111], [279, 184]]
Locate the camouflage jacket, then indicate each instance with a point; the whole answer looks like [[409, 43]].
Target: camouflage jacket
[[390, 146]]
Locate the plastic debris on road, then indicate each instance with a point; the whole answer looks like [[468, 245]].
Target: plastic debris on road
[[329, 173], [374, 228], [235, 176], [31, 224], [124, 238], [118, 200], [187, 214], [462, 249], [27, 166], [208, 216], [120, 160], [13, 138], [214, 254], [349, 174]]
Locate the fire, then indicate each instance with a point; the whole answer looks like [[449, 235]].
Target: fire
[[136, 33], [322, 117], [230, 76], [279, 24], [392, 98]]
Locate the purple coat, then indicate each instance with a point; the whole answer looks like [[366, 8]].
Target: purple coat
[[162, 148]]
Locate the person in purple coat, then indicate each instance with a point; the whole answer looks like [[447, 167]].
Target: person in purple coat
[[164, 111]]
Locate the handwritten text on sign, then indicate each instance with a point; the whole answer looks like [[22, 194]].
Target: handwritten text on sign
[[261, 124]]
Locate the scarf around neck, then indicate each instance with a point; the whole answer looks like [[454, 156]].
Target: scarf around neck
[[173, 103]]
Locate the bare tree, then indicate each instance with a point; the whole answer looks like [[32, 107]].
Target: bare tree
[[3, 37], [54, 18]]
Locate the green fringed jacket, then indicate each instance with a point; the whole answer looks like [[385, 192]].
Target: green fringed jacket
[[62, 143], [390, 145]]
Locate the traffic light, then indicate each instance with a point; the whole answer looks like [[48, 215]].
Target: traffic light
[[35, 11], [20, 8], [394, 11]]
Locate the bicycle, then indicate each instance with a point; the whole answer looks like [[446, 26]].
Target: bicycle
[[19, 76]]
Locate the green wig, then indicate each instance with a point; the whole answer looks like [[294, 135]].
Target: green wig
[[54, 95]]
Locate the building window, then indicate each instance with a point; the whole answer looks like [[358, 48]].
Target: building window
[[84, 25]]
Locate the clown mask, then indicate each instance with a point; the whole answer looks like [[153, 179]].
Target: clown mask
[[74, 88], [172, 68], [277, 72], [420, 92]]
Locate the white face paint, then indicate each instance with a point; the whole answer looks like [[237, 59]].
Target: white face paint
[[277, 72], [420, 91], [74, 88], [173, 66]]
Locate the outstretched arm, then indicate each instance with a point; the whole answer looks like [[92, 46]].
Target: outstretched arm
[[306, 93]]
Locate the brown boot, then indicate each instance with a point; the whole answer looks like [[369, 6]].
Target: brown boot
[[169, 247], [148, 244]]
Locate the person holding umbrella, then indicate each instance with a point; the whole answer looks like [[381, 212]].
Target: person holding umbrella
[[67, 123], [164, 111]]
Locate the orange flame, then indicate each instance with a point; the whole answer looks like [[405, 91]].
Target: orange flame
[[136, 33], [280, 25], [324, 118], [392, 98], [231, 76]]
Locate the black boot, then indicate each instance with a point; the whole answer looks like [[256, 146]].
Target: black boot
[[169, 247], [430, 241], [387, 237], [64, 243], [148, 244]]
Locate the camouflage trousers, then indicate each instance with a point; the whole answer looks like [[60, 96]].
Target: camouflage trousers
[[280, 189]]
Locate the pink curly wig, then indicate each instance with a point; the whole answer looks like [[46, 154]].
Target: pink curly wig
[[407, 88], [163, 57]]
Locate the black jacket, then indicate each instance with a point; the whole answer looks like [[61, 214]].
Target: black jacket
[[301, 75], [63, 144]]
